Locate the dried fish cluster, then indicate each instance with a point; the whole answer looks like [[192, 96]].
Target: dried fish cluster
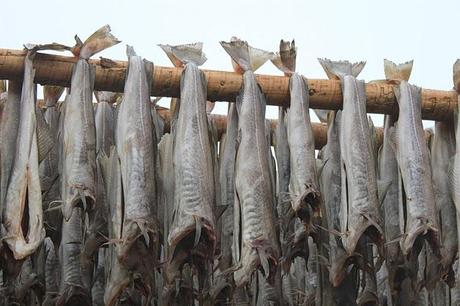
[[99, 206]]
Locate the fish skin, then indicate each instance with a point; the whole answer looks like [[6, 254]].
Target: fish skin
[[254, 194], [194, 177], [98, 287], [414, 165], [72, 289], [136, 148], [51, 272], [388, 171], [442, 152], [24, 183], [79, 141], [227, 182], [105, 121], [9, 126], [304, 187], [358, 168], [118, 277]]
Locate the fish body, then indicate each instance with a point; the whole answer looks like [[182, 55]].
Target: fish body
[[442, 153], [414, 165], [194, 199], [23, 229], [136, 148], [256, 238], [304, 185]]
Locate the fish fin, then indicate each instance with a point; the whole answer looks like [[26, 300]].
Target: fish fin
[[264, 261], [45, 139], [245, 57], [456, 73], [98, 41], [339, 69], [322, 114], [51, 94], [180, 55], [198, 228], [144, 233], [382, 189], [397, 72], [285, 60]]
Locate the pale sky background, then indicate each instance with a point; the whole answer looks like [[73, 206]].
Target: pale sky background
[[425, 31]]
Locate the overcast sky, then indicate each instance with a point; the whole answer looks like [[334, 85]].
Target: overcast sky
[[355, 30]]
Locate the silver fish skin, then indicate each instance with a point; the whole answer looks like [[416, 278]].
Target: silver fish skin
[[9, 127], [79, 135], [79, 141], [194, 200], [73, 290], [227, 184], [256, 241], [105, 124], [23, 195], [358, 168], [304, 186], [414, 165], [117, 276], [136, 148], [98, 287], [442, 152], [51, 272], [388, 171]]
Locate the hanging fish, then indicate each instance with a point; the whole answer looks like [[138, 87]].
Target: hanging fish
[[388, 171], [419, 207], [256, 242], [22, 228], [192, 235], [104, 120], [136, 148], [9, 127], [51, 273], [360, 206], [442, 152], [79, 168], [79, 136]]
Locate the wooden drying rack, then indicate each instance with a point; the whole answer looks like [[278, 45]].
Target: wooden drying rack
[[224, 86]]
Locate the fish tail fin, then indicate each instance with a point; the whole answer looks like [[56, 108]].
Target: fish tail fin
[[180, 55], [98, 41], [285, 59], [338, 69], [245, 57], [397, 71], [107, 96], [51, 94]]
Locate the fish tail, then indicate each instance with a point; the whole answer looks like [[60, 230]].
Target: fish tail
[[285, 59], [98, 41], [338, 69], [397, 72], [180, 55], [245, 57]]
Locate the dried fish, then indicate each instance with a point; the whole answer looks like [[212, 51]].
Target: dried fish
[[411, 151], [192, 236], [136, 148], [256, 242], [360, 206], [22, 228]]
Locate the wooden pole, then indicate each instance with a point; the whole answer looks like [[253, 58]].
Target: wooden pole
[[222, 85]]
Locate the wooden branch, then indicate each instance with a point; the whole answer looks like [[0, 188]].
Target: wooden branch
[[222, 85]]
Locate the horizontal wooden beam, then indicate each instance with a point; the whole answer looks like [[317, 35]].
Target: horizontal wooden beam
[[222, 85]]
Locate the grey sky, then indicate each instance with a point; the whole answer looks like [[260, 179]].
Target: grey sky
[[354, 30]]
